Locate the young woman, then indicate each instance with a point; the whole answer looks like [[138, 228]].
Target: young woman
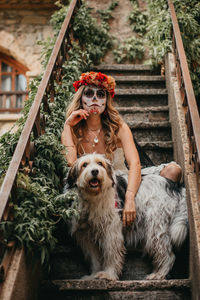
[[94, 125]]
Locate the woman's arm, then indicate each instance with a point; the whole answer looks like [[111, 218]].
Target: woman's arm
[[67, 136], [134, 175], [67, 141]]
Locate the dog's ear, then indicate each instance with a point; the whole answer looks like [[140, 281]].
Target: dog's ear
[[110, 171], [72, 176]]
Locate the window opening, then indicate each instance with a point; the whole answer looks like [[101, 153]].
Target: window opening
[[13, 84]]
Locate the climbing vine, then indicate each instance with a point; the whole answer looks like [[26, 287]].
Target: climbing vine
[[106, 14], [41, 206], [159, 29], [132, 49], [152, 30]]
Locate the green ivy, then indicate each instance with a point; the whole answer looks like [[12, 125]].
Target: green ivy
[[159, 28], [106, 14], [132, 50], [95, 38], [152, 31], [41, 206], [138, 20]]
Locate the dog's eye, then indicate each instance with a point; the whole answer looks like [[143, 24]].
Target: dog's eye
[[100, 163], [84, 165]]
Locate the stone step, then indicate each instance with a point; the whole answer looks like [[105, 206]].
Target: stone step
[[133, 109], [155, 140], [156, 145], [146, 134], [72, 265], [68, 262], [151, 114], [144, 92], [157, 155], [102, 289], [126, 69], [149, 125], [141, 97], [139, 81]]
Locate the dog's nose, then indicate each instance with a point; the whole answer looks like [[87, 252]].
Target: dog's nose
[[95, 172]]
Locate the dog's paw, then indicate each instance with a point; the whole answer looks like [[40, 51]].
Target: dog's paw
[[105, 275], [155, 276]]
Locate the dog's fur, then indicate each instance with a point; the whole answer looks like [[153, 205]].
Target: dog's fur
[[161, 221]]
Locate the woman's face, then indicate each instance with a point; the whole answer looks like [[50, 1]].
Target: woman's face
[[94, 99]]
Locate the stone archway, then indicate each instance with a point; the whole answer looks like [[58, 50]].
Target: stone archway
[[10, 46]]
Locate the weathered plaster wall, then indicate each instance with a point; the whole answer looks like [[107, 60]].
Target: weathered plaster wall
[[119, 25], [20, 30]]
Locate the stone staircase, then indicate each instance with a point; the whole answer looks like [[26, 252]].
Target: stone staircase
[[141, 98]]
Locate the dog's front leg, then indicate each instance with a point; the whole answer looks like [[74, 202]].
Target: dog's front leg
[[90, 251], [94, 257], [113, 253]]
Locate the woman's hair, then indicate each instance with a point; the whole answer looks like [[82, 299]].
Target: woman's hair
[[111, 123]]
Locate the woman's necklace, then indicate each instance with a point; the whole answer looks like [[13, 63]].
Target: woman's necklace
[[95, 140]]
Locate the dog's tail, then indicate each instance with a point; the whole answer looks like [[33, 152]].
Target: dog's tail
[[179, 226]]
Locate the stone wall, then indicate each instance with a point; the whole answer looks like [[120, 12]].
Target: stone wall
[[119, 24], [20, 30]]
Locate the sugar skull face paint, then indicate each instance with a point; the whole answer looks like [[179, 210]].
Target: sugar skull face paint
[[94, 100]]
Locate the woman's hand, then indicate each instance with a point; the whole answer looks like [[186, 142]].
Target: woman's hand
[[129, 211], [76, 116]]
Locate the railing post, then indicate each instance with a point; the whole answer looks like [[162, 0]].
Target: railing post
[[187, 94]]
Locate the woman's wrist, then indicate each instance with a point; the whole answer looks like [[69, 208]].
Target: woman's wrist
[[67, 123], [130, 191]]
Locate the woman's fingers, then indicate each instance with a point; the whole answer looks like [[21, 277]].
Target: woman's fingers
[[128, 218], [81, 113], [76, 117]]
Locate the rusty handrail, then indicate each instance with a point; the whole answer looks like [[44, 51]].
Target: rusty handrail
[[28, 127], [32, 124], [187, 93]]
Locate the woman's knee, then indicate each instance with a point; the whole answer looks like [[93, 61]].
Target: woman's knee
[[172, 171]]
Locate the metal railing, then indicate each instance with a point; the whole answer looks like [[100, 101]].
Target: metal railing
[[34, 124], [187, 94]]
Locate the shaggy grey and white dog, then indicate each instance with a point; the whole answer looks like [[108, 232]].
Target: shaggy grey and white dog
[[161, 221]]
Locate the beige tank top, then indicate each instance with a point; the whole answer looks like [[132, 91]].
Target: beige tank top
[[119, 160]]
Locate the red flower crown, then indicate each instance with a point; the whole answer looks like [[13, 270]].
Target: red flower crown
[[98, 79]]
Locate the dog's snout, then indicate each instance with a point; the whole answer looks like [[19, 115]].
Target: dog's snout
[[95, 172]]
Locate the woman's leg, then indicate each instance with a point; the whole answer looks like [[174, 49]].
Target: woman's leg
[[172, 171]]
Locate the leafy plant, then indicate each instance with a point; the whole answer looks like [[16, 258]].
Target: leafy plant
[[106, 14], [132, 49], [138, 20], [159, 29]]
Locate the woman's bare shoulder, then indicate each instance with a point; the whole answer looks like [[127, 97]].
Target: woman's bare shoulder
[[124, 128]]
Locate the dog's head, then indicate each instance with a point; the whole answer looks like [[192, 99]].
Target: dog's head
[[92, 173]]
